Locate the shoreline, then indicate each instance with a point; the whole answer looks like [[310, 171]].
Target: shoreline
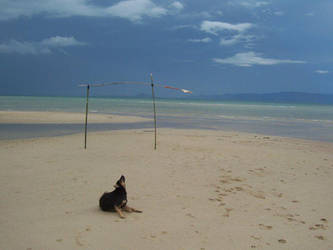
[[34, 124]]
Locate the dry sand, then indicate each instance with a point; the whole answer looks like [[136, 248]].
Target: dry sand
[[199, 190]]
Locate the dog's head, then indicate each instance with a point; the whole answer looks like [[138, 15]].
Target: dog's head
[[120, 182]]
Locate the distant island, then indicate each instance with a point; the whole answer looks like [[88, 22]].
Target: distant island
[[281, 97]]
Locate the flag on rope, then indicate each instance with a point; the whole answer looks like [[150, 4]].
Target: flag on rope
[[183, 90], [143, 83]]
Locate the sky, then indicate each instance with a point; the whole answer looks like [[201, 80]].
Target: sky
[[212, 47]]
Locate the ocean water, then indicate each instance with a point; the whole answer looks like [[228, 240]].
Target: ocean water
[[293, 120]]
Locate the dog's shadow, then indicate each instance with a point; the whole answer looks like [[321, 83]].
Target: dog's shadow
[[97, 211]]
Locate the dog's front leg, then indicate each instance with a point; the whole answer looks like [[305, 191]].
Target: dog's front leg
[[130, 209], [118, 210]]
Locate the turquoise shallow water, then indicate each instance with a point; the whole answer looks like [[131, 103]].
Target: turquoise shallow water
[[301, 121], [186, 108]]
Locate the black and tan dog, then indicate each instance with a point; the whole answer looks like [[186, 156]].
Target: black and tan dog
[[117, 199]]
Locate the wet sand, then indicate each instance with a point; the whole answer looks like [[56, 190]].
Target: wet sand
[[35, 117], [32, 124], [21, 124]]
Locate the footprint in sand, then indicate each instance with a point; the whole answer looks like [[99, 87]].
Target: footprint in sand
[[227, 212], [227, 179], [78, 237], [255, 238], [78, 240], [291, 219], [320, 237], [256, 194], [190, 215], [228, 190], [265, 227], [260, 172], [277, 194], [238, 179], [318, 226]]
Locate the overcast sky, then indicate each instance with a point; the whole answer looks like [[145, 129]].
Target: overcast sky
[[48, 47]]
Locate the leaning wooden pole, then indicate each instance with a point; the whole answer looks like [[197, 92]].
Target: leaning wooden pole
[[86, 122], [153, 95]]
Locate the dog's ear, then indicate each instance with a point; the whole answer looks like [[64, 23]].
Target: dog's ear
[[120, 182]]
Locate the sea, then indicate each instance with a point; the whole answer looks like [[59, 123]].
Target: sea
[[305, 121]]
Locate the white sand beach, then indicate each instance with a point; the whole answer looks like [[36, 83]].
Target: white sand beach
[[200, 189]]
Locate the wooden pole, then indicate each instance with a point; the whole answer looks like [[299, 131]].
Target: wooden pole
[[153, 95], [86, 122]]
